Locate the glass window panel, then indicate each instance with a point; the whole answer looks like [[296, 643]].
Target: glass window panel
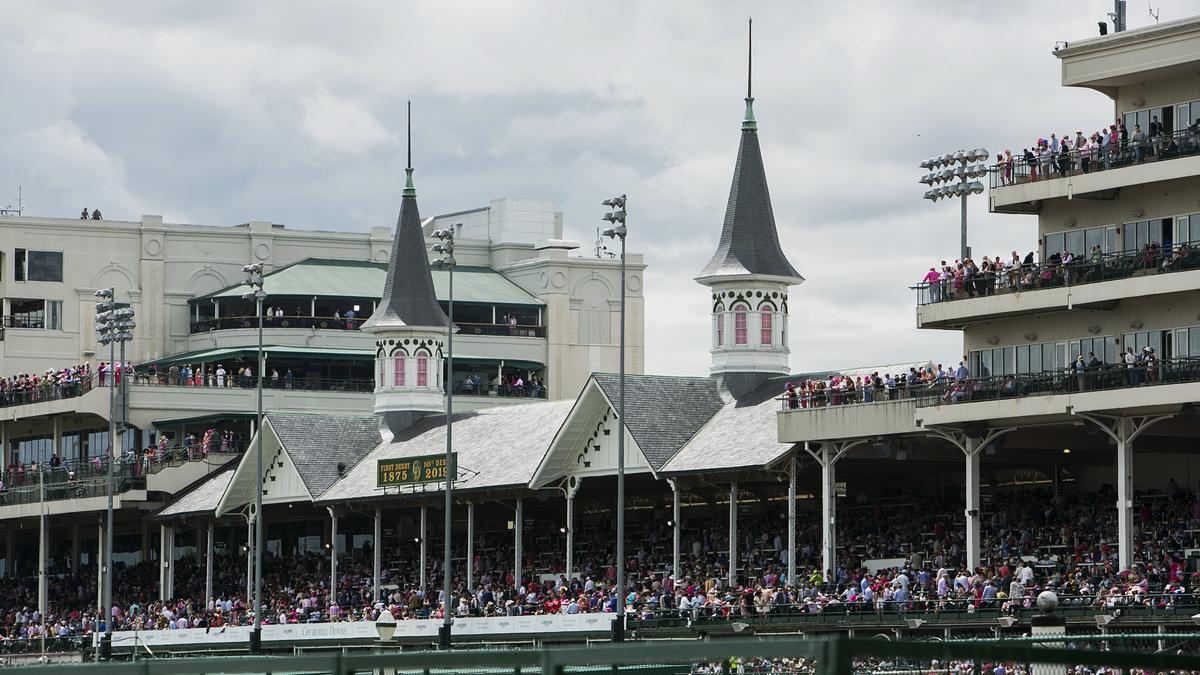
[[1075, 240], [1129, 233], [1093, 237], [1110, 349], [1110, 240], [1130, 119], [54, 315], [1010, 366], [1160, 230], [1023, 359], [1143, 119], [1183, 230], [1060, 355], [1035, 358], [1073, 348], [45, 266], [973, 363], [1054, 244], [985, 363], [1154, 340], [1143, 233]]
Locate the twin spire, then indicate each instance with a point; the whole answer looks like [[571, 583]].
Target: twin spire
[[408, 296], [748, 124]]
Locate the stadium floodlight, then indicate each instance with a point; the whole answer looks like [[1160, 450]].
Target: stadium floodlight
[[257, 293], [957, 171], [617, 218], [445, 249]]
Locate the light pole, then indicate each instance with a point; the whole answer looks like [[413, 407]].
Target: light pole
[[445, 248], [617, 218], [952, 167], [254, 279], [112, 326]]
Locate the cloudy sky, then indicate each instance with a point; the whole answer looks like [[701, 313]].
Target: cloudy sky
[[223, 112]]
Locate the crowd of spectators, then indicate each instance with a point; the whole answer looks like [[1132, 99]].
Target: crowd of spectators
[[844, 389], [1059, 545], [53, 384], [1102, 149]]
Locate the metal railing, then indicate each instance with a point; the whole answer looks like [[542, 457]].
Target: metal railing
[[46, 390], [867, 394], [502, 390], [342, 323], [1052, 274], [231, 380], [22, 321], [1183, 143], [1064, 381], [820, 655]]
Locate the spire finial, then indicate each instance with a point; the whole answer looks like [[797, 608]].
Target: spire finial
[[409, 190], [748, 124]]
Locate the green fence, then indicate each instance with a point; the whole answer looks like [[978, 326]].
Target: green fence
[[777, 655]]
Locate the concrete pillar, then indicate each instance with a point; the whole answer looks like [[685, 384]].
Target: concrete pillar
[[424, 546], [100, 565], [43, 545], [166, 561], [972, 455], [56, 434], [1046, 625], [333, 555], [4, 459], [828, 511], [676, 532], [791, 520], [250, 562], [733, 556], [1124, 493], [76, 551], [377, 552], [470, 546], [208, 565], [518, 553], [570, 532]]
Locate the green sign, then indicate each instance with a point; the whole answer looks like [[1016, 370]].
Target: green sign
[[415, 470]]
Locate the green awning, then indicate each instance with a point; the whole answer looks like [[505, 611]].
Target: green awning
[[228, 353], [357, 279]]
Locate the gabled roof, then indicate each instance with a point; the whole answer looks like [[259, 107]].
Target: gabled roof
[[318, 443], [497, 447], [661, 411], [749, 241], [408, 298], [203, 495]]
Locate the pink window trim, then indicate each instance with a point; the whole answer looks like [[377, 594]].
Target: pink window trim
[[739, 325], [422, 370], [720, 314], [765, 317], [399, 371]]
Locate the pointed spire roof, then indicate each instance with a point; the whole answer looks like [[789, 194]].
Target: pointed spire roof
[[408, 296], [749, 241]]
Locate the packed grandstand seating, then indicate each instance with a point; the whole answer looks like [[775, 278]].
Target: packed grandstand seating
[[1065, 545]]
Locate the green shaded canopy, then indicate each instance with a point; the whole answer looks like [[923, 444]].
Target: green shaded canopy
[[358, 279]]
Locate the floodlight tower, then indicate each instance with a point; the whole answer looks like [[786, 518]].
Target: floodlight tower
[[955, 172]]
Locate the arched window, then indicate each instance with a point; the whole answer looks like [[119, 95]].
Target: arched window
[[380, 370], [401, 358], [719, 315], [422, 369], [766, 314], [739, 324]]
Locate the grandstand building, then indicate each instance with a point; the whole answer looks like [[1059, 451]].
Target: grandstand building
[[1071, 360]]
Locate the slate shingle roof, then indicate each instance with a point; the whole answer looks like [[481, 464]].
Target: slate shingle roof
[[497, 447], [408, 297], [202, 496], [318, 443], [749, 241], [662, 412]]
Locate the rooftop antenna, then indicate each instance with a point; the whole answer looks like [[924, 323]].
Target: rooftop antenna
[[8, 210], [1153, 12], [748, 123], [1118, 16]]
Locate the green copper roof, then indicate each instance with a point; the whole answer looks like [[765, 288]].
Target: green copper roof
[[357, 279]]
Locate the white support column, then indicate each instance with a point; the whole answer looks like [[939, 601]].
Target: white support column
[[571, 531], [791, 522], [676, 532], [972, 455], [733, 555], [1124, 441], [333, 555], [424, 547], [518, 543], [470, 546], [101, 563], [43, 545], [828, 512], [166, 562], [209, 547], [377, 553]]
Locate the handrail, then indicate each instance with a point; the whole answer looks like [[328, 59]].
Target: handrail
[[1068, 380], [812, 399], [46, 390], [231, 381], [342, 323], [1055, 274], [1170, 145]]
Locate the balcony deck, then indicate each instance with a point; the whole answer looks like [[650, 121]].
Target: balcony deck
[[1055, 288], [855, 420]]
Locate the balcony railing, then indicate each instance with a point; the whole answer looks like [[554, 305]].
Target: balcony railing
[[525, 391], [332, 323], [45, 390], [22, 321], [232, 381], [1184, 143], [1069, 380], [1050, 274], [824, 398], [77, 480]]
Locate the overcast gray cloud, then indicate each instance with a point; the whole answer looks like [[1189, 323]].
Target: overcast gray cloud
[[225, 112]]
